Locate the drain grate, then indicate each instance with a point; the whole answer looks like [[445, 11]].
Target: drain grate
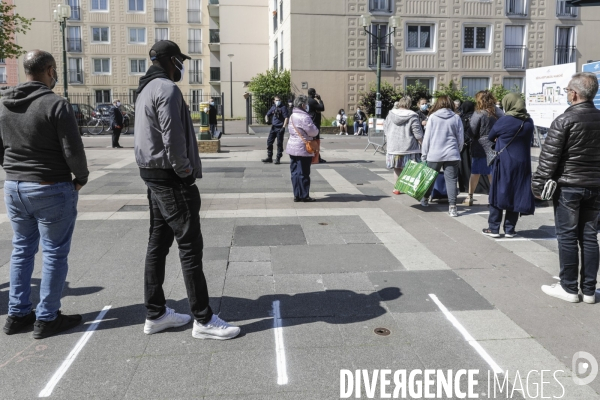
[[382, 331]]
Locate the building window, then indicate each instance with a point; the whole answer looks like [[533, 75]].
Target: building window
[[101, 66], [214, 36], [420, 37], [195, 41], [137, 35], [380, 5], [136, 6], [75, 70], [565, 10], [196, 71], [194, 12], [75, 10], [2, 74], [281, 11], [281, 60], [565, 45], [516, 8], [161, 11], [514, 47], [2, 61], [476, 38], [161, 34], [474, 85], [513, 84], [195, 99], [215, 74], [99, 5], [380, 30], [275, 54], [74, 39], [100, 35], [137, 67], [428, 82], [102, 96]]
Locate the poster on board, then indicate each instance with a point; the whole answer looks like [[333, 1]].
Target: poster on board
[[545, 96], [595, 69]]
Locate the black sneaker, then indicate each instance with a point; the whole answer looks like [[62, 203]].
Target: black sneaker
[[308, 200], [44, 329], [267, 160], [17, 324], [322, 160], [277, 161]]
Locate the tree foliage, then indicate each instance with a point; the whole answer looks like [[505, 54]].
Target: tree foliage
[[499, 91], [10, 24], [452, 91], [267, 85], [389, 95], [416, 92]]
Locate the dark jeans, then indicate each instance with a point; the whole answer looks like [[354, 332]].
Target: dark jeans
[[300, 169], [364, 124], [175, 214], [495, 219], [116, 133], [576, 212], [450, 176], [277, 132]]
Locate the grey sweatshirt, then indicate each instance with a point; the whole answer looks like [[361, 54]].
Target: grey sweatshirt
[[444, 137], [39, 136], [402, 130]]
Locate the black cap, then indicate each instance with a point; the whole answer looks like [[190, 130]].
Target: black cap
[[166, 48]]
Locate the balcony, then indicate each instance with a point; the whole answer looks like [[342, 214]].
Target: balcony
[[195, 46], [75, 76], [213, 8], [74, 45], [194, 16], [75, 13], [516, 8], [161, 15], [386, 55], [380, 6], [195, 76], [215, 74], [514, 57], [214, 40], [564, 54], [564, 10]]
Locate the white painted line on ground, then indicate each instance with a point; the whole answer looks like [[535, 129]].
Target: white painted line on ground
[[121, 164], [523, 239], [338, 182], [495, 367], [282, 378], [47, 391]]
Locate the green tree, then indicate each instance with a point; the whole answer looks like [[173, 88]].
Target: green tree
[[416, 92], [499, 91], [389, 95], [264, 86], [10, 24], [452, 91]]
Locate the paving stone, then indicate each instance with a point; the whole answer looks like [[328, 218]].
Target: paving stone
[[249, 268], [250, 254], [266, 235], [215, 253]]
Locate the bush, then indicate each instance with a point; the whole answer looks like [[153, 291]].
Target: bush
[[452, 91], [416, 92], [265, 86], [389, 95]]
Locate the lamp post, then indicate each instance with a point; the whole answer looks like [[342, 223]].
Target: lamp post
[[231, 81], [61, 14], [393, 23]]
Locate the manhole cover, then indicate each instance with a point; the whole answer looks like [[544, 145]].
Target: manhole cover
[[323, 223], [382, 331]]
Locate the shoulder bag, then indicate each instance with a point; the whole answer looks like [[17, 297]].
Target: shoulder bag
[[492, 155], [307, 144]]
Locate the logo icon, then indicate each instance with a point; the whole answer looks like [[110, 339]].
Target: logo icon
[[584, 367]]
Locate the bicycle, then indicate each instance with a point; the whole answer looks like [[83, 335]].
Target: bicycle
[[96, 126]]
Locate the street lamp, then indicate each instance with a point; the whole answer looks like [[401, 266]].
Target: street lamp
[[231, 81], [61, 14], [365, 21]]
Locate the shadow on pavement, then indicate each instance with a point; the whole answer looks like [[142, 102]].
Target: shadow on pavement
[[349, 198]]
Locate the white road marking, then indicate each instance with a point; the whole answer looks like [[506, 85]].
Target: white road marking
[[337, 181], [282, 378], [495, 367], [47, 391]]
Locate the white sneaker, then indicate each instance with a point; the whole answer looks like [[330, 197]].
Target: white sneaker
[[557, 291], [216, 328], [589, 299], [452, 211], [425, 202], [510, 235], [169, 320]]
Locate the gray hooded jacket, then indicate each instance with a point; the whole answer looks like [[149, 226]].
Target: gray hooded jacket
[[444, 137], [402, 130]]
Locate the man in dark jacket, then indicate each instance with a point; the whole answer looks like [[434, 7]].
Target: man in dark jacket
[[116, 123], [360, 121], [212, 119], [315, 108], [280, 115], [166, 151], [571, 157], [40, 149]]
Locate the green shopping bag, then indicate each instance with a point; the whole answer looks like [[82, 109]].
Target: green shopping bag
[[416, 179]]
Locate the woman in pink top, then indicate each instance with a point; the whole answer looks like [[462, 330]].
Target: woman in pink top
[[301, 129]]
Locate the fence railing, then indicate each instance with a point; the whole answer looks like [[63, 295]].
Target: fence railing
[[564, 54], [74, 45], [161, 15], [386, 55], [516, 8], [194, 16], [75, 76], [260, 105], [380, 5], [514, 57], [215, 74]]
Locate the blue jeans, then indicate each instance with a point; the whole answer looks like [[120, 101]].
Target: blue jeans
[[364, 124], [300, 170], [576, 211], [46, 212], [495, 220]]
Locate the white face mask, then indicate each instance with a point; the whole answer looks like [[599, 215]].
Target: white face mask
[[307, 108], [118, 104], [179, 65], [278, 103]]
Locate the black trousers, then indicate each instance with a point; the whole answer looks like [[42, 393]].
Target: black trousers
[[175, 214], [116, 133], [495, 220], [300, 170], [277, 132]]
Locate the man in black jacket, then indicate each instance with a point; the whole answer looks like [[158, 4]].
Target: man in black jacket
[[360, 121], [116, 123], [571, 157], [315, 108], [212, 119], [40, 149], [280, 115]]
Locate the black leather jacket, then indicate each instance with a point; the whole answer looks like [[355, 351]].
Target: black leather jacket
[[571, 152]]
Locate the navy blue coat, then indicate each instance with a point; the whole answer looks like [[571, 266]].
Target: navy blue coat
[[511, 183], [116, 117]]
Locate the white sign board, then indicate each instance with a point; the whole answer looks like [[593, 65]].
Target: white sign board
[[379, 126], [545, 96]]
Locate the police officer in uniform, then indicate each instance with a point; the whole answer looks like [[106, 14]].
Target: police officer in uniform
[[280, 115]]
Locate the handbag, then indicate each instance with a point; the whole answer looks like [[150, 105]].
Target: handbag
[[309, 147], [492, 155], [549, 189]]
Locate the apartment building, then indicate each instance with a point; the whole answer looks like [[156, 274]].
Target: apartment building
[[473, 43]]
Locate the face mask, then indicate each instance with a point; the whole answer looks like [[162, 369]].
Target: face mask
[[118, 104], [180, 68], [212, 103], [278, 103], [342, 113], [307, 108], [424, 107], [570, 103], [358, 111], [55, 79]]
